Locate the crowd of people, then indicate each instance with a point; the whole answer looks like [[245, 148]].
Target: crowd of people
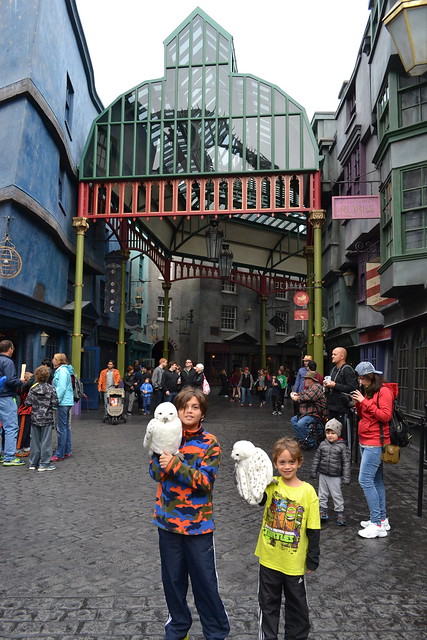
[[288, 542]]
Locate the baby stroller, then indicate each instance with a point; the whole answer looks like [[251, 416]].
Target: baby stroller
[[315, 433], [115, 405]]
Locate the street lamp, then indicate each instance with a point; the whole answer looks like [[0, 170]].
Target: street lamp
[[214, 237], [349, 278], [225, 261], [44, 337], [407, 24]]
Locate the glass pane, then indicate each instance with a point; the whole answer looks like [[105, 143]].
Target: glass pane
[[264, 98], [143, 102], [265, 143], [252, 133], [88, 159], [294, 142], [128, 146], [411, 178], [237, 96], [196, 146], [114, 149], [169, 101], [129, 114], [101, 151], [279, 102], [196, 89], [156, 99], [141, 149], [210, 146], [154, 162], [414, 240], [171, 54], [116, 111], [223, 108], [251, 97], [183, 76], [197, 48], [280, 142], [308, 160], [184, 46], [182, 146], [210, 90], [168, 148], [210, 45], [222, 145], [412, 198], [409, 98], [413, 219], [237, 144], [410, 116], [223, 49]]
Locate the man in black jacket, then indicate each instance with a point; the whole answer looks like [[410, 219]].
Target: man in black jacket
[[8, 408], [340, 383], [188, 374], [170, 382]]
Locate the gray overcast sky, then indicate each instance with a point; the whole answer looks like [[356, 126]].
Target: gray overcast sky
[[306, 47]]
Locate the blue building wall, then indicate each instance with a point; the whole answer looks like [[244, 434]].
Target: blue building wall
[[44, 66]]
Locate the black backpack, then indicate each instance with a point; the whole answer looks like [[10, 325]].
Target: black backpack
[[399, 428]]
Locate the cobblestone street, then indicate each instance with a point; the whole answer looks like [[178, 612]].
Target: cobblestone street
[[79, 556]]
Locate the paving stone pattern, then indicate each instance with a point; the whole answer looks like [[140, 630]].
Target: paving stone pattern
[[79, 556]]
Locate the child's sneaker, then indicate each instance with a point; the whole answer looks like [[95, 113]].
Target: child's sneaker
[[15, 462], [32, 467], [49, 467], [341, 521], [324, 514]]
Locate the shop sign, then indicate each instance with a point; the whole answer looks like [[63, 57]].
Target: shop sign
[[355, 207], [301, 314]]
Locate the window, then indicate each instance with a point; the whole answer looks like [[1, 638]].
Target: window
[[352, 173], [414, 208], [281, 295], [69, 104], [161, 309], [387, 218], [383, 111], [420, 370], [228, 318], [334, 310], [61, 190], [412, 99], [284, 316], [403, 358], [228, 287]]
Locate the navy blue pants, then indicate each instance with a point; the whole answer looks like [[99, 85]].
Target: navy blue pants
[[184, 556], [272, 584]]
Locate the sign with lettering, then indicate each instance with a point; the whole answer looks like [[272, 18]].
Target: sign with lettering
[[301, 314], [355, 207]]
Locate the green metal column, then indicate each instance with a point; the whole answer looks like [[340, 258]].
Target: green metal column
[[310, 323], [166, 288], [317, 218], [263, 300], [81, 225], [121, 344]]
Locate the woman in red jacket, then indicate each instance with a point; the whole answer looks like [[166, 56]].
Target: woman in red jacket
[[374, 405]]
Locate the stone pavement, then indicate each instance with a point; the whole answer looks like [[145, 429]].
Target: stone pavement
[[79, 556]]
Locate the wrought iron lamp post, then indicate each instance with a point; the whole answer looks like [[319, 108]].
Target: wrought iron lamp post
[[214, 238], [225, 261]]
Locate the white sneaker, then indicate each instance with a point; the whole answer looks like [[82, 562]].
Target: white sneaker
[[274, 413], [373, 531], [385, 523]]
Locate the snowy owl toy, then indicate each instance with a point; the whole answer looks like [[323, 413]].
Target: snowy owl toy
[[164, 431], [253, 469]]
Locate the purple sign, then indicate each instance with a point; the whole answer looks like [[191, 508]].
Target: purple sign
[[355, 207]]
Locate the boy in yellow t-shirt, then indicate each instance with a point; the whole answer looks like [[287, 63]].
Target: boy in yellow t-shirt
[[288, 545]]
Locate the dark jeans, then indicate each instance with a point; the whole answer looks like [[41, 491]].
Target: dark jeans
[[184, 556]]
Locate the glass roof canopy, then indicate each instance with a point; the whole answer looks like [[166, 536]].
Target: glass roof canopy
[[204, 141], [202, 117]]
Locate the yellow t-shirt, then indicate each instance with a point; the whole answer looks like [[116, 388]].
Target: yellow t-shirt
[[282, 542]]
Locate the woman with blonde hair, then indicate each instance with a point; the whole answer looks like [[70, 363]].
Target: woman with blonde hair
[[64, 391]]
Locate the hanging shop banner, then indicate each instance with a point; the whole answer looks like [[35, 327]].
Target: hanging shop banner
[[355, 207], [301, 298], [301, 314]]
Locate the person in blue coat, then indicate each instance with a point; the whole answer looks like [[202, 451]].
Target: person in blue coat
[[64, 390], [8, 409]]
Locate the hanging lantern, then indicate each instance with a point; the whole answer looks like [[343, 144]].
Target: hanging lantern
[[407, 25], [225, 261], [214, 237]]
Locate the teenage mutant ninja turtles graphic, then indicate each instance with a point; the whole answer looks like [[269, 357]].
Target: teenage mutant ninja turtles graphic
[[283, 522]]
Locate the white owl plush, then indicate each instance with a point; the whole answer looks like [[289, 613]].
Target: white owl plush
[[253, 469], [164, 431]]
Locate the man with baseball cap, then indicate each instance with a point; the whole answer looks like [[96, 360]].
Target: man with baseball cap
[[312, 407]]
